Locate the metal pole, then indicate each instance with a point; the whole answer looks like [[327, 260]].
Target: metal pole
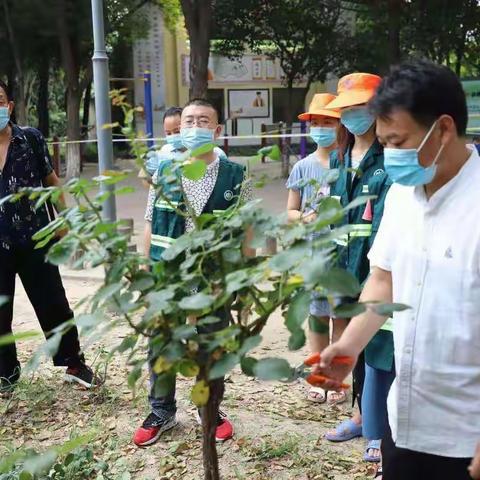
[[147, 78], [102, 106]]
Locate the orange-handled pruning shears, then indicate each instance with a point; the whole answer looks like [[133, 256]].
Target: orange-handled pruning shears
[[303, 371]]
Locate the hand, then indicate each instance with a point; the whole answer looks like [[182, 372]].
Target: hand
[[311, 217], [474, 468], [336, 372]]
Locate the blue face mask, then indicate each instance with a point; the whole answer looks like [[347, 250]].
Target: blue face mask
[[4, 117], [194, 137], [357, 120], [403, 167], [323, 136], [175, 140]]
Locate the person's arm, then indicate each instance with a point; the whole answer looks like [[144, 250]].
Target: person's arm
[[246, 195], [294, 212], [51, 180], [147, 232], [360, 330], [147, 238], [474, 468]]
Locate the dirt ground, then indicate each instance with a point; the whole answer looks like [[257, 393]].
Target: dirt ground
[[278, 433]]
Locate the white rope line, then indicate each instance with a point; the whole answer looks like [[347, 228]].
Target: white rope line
[[163, 139]]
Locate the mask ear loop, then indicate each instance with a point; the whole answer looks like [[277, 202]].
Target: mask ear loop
[[427, 136]]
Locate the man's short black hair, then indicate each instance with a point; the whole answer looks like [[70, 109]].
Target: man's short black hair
[[423, 89], [6, 89], [172, 112], [201, 102]]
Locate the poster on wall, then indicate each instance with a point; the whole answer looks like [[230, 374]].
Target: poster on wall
[[472, 94], [249, 103], [241, 70]]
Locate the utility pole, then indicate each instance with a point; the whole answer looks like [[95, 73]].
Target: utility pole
[[103, 112]]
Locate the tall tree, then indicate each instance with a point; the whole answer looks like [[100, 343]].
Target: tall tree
[[198, 20], [306, 36]]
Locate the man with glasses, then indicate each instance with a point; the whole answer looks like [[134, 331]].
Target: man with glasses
[[222, 186]]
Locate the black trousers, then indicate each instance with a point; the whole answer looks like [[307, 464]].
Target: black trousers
[[358, 375], [403, 464], [43, 285]]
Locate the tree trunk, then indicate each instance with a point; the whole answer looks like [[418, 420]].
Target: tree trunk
[[287, 141], [209, 425], [73, 133], [20, 103], [42, 100], [198, 20], [72, 74], [87, 98], [394, 19]]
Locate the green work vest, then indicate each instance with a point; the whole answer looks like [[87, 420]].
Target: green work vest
[[167, 225], [353, 248], [379, 351]]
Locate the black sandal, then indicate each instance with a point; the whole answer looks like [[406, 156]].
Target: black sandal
[[379, 472]]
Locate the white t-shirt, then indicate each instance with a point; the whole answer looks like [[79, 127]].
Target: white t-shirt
[[432, 249]]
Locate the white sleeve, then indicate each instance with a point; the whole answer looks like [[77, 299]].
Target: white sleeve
[[383, 248]]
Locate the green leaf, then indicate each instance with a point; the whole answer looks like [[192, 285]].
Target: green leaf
[[231, 255], [249, 344], [195, 170], [134, 375], [273, 369], [298, 310], [127, 343], [62, 251], [107, 291], [200, 393], [349, 310], [237, 280], [141, 282], [125, 190], [164, 383], [248, 365], [87, 320], [341, 282], [184, 332], [40, 463], [15, 337], [361, 200], [288, 258], [208, 320], [272, 152], [199, 301], [188, 368], [387, 309], [222, 366], [297, 340], [3, 300], [202, 150]]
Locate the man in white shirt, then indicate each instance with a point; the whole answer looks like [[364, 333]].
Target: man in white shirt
[[426, 255]]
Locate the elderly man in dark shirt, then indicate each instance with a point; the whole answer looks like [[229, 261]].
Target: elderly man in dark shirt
[[25, 162]]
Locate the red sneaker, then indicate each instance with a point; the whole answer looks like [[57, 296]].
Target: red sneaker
[[152, 428], [224, 428]]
